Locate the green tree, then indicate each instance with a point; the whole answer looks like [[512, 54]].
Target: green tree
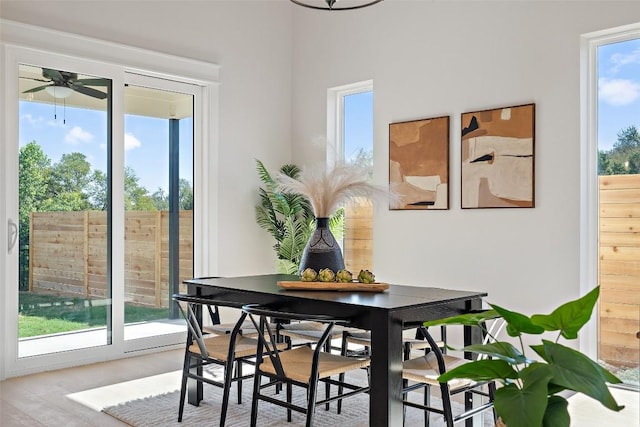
[[185, 195], [136, 198], [97, 191], [33, 177], [68, 184], [624, 157], [160, 200]]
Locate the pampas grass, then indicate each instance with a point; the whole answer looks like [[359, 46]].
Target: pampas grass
[[329, 189]]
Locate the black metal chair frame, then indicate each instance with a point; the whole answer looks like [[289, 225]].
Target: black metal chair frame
[[267, 338], [194, 362], [447, 392]]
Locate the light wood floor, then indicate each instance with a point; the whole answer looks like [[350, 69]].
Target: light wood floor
[[47, 399], [43, 399]]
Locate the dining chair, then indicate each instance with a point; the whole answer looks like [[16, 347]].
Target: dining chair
[[203, 349], [300, 366], [423, 372], [362, 339]]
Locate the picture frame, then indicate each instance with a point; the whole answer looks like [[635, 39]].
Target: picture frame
[[498, 158], [419, 163]]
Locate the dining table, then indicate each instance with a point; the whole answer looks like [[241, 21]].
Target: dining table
[[386, 314]]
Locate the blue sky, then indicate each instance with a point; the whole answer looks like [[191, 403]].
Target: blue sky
[[59, 130], [618, 90], [146, 149], [358, 128]]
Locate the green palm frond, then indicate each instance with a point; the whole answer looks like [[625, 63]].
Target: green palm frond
[[285, 266], [288, 217], [264, 174], [291, 170], [296, 235]]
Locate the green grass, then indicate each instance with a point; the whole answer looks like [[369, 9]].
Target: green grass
[[46, 314]]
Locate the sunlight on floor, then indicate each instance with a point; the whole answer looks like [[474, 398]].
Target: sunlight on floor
[[101, 397]]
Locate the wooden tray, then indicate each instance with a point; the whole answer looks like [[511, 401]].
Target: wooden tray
[[333, 286]]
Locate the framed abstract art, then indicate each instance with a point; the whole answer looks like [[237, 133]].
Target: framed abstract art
[[497, 155], [419, 163]]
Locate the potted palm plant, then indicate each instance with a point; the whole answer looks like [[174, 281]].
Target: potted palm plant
[[288, 217], [531, 392], [327, 189]]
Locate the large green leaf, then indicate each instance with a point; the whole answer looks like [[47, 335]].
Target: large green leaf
[[468, 319], [517, 323], [501, 350], [575, 371], [481, 370], [557, 414], [569, 318], [524, 407]]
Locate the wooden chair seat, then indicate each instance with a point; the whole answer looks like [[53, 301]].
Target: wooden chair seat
[[424, 369], [218, 346], [297, 364]]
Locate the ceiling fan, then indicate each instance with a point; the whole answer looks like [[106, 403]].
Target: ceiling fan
[[67, 79]]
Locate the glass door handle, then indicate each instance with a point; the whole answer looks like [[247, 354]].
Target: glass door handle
[[13, 234]]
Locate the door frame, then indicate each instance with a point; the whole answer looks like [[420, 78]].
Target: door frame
[[23, 43]]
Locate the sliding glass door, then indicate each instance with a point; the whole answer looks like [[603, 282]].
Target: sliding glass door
[[100, 197]]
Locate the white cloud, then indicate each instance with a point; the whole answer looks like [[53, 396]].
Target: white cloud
[[619, 60], [131, 142], [618, 92], [77, 135], [31, 120]]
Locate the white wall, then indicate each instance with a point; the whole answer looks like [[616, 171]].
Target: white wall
[[433, 58], [252, 42]]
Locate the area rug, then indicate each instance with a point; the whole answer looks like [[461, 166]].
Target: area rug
[[162, 410]]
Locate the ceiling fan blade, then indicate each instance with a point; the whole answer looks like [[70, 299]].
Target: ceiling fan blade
[[54, 75], [36, 89], [92, 82], [88, 91]]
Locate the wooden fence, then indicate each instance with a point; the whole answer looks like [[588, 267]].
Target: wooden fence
[[358, 238], [619, 270], [68, 254]]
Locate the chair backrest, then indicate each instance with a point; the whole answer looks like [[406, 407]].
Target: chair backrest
[[191, 306], [267, 336]]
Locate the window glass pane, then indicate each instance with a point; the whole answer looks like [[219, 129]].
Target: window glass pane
[[159, 207], [64, 294], [619, 210], [357, 146]]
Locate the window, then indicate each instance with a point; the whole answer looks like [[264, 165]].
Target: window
[[611, 179], [351, 108]]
